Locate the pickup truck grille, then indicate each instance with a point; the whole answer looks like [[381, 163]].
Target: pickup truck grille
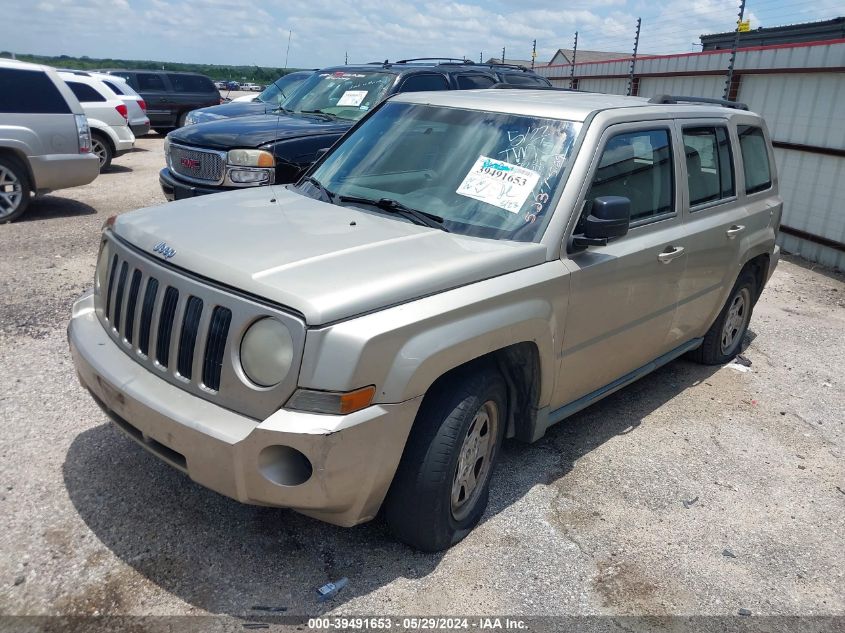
[[205, 166], [184, 330]]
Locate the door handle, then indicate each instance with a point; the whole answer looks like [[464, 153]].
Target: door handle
[[735, 230], [670, 253]]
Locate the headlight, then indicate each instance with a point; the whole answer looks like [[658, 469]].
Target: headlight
[[251, 158], [266, 352]]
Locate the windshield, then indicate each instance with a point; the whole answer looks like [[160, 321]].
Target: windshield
[[485, 174], [341, 94], [277, 92]]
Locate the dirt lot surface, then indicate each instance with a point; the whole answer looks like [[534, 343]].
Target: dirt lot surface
[[698, 490]]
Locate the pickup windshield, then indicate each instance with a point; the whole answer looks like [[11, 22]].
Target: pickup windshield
[[282, 88], [344, 95], [485, 174]]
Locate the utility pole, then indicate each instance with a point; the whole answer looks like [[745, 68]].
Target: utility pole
[[634, 57], [481, 57], [533, 54], [732, 59], [287, 52], [346, 58], [503, 54], [572, 68]]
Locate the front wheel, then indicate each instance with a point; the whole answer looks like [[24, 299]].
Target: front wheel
[[441, 487], [723, 340]]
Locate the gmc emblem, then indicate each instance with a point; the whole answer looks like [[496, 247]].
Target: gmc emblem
[[189, 163]]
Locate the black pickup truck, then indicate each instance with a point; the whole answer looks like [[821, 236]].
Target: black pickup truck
[[277, 148]]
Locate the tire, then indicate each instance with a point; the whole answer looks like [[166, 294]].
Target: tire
[[723, 340], [180, 122], [102, 149], [15, 189], [432, 503], [163, 131]]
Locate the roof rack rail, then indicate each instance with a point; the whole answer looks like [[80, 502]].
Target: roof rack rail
[[504, 86], [434, 59], [669, 99], [501, 65], [81, 73]]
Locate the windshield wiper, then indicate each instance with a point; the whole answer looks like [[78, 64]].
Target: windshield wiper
[[394, 206], [328, 115], [330, 195]]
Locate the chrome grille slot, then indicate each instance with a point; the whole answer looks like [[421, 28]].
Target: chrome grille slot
[[197, 164], [147, 316], [165, 325], [188, 337], [118, 300], [218, 331], [131, 302], [188, 331]]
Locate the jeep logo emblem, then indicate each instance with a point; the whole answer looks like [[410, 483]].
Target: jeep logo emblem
[[189, 163], [164, 250]]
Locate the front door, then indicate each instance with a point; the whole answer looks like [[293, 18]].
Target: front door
[[624, 295]]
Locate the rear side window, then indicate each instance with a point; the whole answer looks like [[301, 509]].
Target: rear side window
[[115, 88], [474, 82], [638, 166], [30, 92], [191, 83], [418, 83], [150, 81], [709, 167], [84, 92], [755, 158], [524, 80]]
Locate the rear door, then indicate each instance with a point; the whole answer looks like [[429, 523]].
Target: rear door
[[153, 88], [715, 220]]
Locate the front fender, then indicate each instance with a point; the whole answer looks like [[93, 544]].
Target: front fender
[[403, 349]]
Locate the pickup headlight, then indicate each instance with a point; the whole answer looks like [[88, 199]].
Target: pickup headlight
[[267, 352], [251, 158]]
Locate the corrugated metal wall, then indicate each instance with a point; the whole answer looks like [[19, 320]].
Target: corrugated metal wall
[[800, 108]]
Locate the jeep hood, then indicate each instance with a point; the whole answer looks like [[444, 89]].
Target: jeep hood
[[255, 131], [324, 261]]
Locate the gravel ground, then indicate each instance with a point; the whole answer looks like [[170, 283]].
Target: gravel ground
[[698, 490]]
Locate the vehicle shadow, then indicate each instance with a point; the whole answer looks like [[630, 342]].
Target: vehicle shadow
[[226, 558], [116, 169], [49, 207]]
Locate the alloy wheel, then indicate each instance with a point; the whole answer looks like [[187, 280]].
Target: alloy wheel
[[736, 320], [11, 192]]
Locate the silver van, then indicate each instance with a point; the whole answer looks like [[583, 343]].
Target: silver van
[[45, 141]]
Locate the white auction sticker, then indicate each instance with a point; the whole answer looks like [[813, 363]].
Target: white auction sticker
[[499, 183], [352, 98]]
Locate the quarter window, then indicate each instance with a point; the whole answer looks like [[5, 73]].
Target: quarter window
[[516, 79], [474, 82], [150, 81], [638, 166], [114, 87], [709, 166], [418, 83], [84, 92], [755, 158], [29, 92]]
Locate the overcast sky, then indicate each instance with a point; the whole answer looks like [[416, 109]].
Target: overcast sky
[[323, 31]]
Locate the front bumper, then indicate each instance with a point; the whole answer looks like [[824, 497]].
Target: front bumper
[[174, 189], [353, 457]]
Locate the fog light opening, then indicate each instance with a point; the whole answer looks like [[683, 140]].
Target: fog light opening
[[284, 465]]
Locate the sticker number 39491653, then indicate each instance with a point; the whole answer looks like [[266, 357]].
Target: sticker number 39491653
[[501, 184]]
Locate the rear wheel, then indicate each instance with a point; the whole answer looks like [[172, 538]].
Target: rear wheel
[[723, 340], [15, 189], [441, 487], [101, 148]]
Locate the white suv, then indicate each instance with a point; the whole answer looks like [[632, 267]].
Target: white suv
[[139, 122], [107, 114]]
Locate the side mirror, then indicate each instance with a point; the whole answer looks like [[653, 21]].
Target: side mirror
[[610, 217]]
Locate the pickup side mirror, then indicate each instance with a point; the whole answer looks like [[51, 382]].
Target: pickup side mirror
[[610, 217]]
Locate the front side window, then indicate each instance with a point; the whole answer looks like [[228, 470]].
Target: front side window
[[474, 82], [29, 92], [709, 165], [755, 158], [485, 174], [421, 83], [638, 166], [346, 95], [84, 92], [150, 81]]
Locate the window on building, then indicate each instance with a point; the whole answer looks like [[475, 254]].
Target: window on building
[[709, 166], [755, 158], [638, 166]]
